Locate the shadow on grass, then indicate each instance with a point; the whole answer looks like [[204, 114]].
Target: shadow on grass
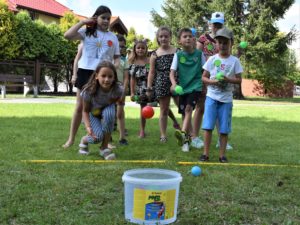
[[255, 140], [296, 99]]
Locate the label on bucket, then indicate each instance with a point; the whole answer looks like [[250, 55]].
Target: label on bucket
[[153, 204]]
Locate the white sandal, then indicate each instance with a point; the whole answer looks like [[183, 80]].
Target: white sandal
[[83, 149], [107, 154]]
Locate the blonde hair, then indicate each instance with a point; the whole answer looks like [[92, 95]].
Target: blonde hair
[[160, 29], [132, 57]]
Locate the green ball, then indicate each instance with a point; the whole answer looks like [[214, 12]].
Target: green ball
[[136, 98], [217, 62], [179, 90], [182, 59], [243, 44], [210, 47], [220, 76]]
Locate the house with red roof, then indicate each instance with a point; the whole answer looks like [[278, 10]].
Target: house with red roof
[[50, 11]]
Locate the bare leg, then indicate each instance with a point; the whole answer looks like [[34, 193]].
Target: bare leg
[[186, 125], [121, 120], [197, 120], [223, 143], [142, 124], [163, 117], [75, 122], [106, 139], [207, 141]]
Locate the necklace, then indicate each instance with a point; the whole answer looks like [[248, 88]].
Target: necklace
[[99, 42]]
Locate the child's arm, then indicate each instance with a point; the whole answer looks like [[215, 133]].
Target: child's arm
[[72, 33], [173, 70], [75, 64], [199, 46], [151, 75], [206, 80], [132, 87], [237, 79], [117, 61], [172, 78], [86, 118], [125, 81]]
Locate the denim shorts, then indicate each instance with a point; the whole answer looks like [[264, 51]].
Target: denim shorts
[[215, 110]]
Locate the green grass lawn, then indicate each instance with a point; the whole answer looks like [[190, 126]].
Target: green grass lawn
[[264, 132]]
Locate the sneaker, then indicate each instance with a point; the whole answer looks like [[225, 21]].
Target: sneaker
[[197, 143], [204, 158], [107, 154], [185, 147], [180, 136], [83, 149], [163, 139], [123, 142], [228, 146], [223, 159]]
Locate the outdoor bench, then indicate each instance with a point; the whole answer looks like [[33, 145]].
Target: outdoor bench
[[17, 81]]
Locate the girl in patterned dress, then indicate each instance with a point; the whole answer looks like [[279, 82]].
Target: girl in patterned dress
[[159, 75], [138, 72]]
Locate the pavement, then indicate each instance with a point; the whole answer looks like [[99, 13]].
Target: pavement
[[49, 101]]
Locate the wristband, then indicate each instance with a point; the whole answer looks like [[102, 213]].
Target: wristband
[[149, 89]]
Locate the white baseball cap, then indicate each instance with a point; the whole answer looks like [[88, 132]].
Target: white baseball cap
[[217, 17]]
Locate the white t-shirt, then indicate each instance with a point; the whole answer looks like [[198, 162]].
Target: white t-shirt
[[97, 49], [230, 67]]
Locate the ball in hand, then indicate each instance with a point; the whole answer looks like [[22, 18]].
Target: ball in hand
[[179, 90], [220, 76]]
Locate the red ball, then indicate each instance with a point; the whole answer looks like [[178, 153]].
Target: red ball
[[147, 112]]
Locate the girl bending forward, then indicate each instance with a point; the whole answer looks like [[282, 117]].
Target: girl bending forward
[[99, 97]]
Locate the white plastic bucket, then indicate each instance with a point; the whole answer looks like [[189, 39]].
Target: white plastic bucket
[[151, 195]]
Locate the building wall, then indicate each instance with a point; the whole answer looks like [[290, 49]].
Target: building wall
[[47, 19], [252, 88]]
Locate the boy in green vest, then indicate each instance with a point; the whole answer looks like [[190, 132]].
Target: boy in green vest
[[187, 63]]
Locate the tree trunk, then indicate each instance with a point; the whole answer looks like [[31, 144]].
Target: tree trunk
[[55, 83]]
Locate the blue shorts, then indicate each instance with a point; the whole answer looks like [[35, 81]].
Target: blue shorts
[[215, 110]]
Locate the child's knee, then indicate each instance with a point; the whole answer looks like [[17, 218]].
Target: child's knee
[[188, 109]]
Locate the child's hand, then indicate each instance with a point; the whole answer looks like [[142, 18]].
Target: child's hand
[[91, 133], [172, 88], [73, 79], [149, 93], [90, 21]]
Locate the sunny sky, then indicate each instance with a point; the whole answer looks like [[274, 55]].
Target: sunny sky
[[136, 13]]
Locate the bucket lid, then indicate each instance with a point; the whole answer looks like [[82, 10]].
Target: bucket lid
[[151, 176]]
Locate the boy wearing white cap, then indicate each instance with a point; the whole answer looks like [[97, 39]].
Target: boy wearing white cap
[[221, 72], [207, 44]]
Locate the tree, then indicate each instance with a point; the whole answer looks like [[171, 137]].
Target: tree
[[182, 13], [9, 45]]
